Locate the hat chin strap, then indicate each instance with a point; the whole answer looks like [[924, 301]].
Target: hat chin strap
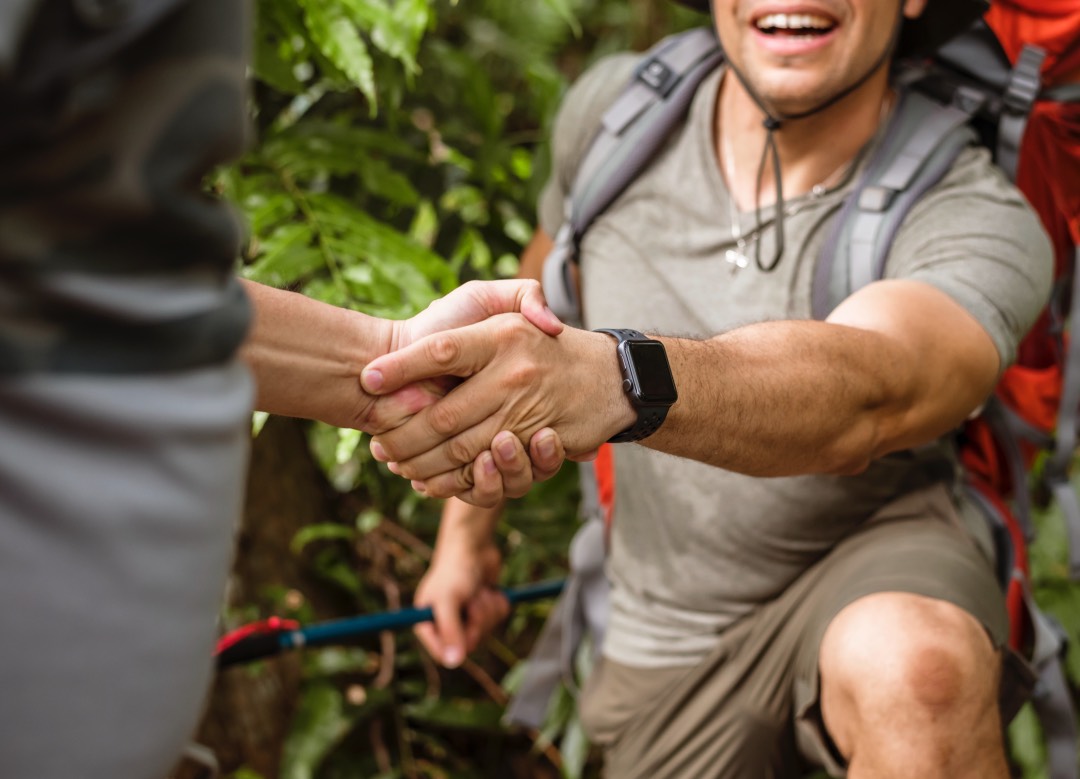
[[774, 121]]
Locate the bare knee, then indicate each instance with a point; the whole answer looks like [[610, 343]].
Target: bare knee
[[902, 671]]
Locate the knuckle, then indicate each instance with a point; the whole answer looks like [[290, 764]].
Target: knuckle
[[443, 349], [459, 452], [444, 418]]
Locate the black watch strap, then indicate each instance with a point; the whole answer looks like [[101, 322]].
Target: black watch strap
[[650, 416]]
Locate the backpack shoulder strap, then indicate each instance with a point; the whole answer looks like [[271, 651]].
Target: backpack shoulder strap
[[632, 130], [921, 142]]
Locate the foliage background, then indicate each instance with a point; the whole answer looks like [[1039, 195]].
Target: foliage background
[[398, 151]]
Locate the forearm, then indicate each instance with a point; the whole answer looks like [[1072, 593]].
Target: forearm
[[782, 398], [307, 356], [465, 528], [793, 397]]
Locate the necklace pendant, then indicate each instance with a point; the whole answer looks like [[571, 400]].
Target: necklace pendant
[[736, 259]]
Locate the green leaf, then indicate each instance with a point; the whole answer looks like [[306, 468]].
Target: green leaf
[[324, 531], [348, 441], [285, 256], [339, 40], [319, 725], [462, 713], [333, 661]]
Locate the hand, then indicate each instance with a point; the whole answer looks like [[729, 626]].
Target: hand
[[521, 382], [470, 303], [476, 301], [506, 471], [461, 579]]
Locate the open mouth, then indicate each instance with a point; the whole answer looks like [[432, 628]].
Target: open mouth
[[796, 26]]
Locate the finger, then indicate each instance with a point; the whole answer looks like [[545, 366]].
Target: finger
[[486, 610], [487, 488], [585, 457], [459, 450], [534, 307], [512, 463], [446, 435], [392, 411], [546, 453], [429, 637], [459, 352], [448, 624]]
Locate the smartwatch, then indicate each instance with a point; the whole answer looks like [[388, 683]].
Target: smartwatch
[[647, 382]]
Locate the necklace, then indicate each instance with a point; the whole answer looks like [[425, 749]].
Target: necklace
[[736, 256]]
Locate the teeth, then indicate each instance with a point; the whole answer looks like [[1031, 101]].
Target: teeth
[[793, 22]]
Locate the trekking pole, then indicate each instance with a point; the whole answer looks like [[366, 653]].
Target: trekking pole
[[275, 635]]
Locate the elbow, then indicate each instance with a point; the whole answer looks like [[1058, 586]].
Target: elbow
[[852, 452]]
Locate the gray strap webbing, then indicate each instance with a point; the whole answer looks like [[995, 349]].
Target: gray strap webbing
[[882, 209], [631, 131], [1063, 93], [1051, 700], [922, 142], [626, 142], [996, 417], [1020, 94], [582, 608], [1056, 470], [558, 281]]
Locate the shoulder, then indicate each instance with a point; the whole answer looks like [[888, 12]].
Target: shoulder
[[975, 236]]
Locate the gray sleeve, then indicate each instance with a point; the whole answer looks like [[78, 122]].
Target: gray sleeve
[[576, 123], [975, 237]]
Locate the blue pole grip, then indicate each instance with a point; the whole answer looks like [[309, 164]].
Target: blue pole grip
[[337, 631]]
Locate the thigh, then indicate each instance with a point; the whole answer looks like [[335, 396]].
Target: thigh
[[118, 504]]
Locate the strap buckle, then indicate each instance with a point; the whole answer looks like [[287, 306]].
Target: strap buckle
[[1025, 81]]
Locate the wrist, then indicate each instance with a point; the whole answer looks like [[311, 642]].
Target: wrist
[[646, 382]]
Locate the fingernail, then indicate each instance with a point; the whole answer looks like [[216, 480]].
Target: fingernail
[[506, 448], [452, 657], [372, 380], [547, 446], [378, 452], [488, 463], [419, 486], [394, 468]]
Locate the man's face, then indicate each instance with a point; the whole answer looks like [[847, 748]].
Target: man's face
[[796, 54]]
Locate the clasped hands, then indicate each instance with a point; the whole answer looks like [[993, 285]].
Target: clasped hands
[[527, 380]]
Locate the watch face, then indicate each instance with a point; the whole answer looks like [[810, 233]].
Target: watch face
[[652, 373]]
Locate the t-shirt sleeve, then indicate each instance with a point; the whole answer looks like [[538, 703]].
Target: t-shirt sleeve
[[576, 124], [975, 237]]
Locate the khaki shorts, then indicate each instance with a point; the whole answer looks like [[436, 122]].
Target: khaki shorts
[[751, 709]]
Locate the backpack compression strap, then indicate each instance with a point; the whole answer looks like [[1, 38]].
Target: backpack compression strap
[[921, 143], [631, 132]]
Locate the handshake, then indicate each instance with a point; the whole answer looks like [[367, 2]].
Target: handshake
[[476, 397]]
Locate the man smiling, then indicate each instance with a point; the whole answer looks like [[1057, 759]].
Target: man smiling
[[803, 584]]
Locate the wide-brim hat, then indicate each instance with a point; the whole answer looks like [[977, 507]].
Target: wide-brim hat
[[940, 21]]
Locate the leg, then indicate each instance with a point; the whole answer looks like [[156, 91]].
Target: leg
[[118, 503], [909, 687]]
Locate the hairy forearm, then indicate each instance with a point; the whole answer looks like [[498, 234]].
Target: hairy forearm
[[306, 356], [785, 398]]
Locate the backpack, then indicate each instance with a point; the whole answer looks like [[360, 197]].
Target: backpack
[[986, 86]]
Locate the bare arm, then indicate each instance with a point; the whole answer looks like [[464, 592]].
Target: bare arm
[[897, 364], [306, 356]]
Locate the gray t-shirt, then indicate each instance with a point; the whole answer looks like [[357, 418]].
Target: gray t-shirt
[[695, 547]]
